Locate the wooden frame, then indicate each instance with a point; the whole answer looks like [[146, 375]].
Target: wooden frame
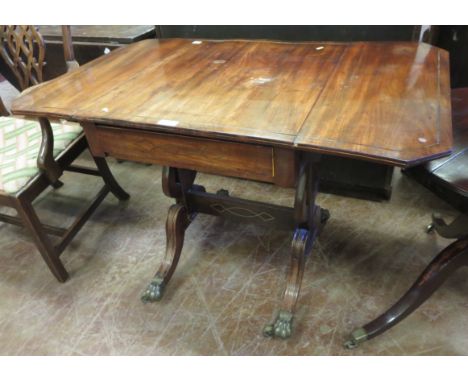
[[50, 171]]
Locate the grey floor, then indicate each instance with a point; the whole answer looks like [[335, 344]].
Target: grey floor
[[230, 278]]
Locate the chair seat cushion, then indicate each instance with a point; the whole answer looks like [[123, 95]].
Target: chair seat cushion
[[20, 141]]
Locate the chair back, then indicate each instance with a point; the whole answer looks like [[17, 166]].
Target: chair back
[[23, 50]]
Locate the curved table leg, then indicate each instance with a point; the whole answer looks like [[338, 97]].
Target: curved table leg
[[175, 184], [301, 247], [109, 179], [176, 224], [446, 263], [309, 218]]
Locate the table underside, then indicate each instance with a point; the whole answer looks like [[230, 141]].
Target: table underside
[[182, 157]]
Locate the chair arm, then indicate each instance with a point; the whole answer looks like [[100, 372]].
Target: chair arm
[[45, 159]]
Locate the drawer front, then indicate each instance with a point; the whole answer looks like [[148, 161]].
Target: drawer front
[[249, 161]]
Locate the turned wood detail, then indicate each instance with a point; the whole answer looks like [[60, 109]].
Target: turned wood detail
[[23, 50]]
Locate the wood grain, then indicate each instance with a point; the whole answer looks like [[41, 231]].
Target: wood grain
[[211, 156], [383, 102]]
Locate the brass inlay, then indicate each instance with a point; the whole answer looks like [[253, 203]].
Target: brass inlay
[[243, 212]]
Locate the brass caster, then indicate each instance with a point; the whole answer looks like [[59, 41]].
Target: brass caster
[[282, 327], [357, 337], [154, 291], [430, 228]]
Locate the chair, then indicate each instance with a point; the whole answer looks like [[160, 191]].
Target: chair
[[448, 178], [34, 154]]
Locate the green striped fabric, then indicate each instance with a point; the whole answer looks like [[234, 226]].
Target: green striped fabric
[[20, 141]]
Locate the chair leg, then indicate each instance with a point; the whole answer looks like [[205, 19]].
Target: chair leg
[[109, 179], [48, 251], [57, 184]]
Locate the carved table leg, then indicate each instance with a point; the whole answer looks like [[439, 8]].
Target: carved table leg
[[447, 262], [175, 184], [176, 224], [306, 218], [309, 219]]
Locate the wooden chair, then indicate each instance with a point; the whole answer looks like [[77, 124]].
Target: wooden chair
[[448, 178], [34, 154]]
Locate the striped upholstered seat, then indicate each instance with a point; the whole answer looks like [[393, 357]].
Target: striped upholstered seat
[[20, 141]]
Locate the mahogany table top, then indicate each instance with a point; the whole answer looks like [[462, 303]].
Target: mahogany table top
[[381, 101]]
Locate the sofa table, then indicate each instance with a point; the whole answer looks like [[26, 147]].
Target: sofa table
[[259, 110]]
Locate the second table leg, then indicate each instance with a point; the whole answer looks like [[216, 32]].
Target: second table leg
[[176, 183], [309, 219]]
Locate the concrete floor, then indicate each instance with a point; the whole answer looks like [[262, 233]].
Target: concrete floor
[[230, 278]]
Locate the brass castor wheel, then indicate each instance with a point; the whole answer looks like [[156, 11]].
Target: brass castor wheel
[[430, 228], [357, 337]]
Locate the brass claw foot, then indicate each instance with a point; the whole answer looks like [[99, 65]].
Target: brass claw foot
[[357, 337], [282, 327], [154, 291]]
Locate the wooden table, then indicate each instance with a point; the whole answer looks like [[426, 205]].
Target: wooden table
[[265, 111]]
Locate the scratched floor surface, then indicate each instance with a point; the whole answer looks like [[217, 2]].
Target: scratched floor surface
[[230, 278]]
